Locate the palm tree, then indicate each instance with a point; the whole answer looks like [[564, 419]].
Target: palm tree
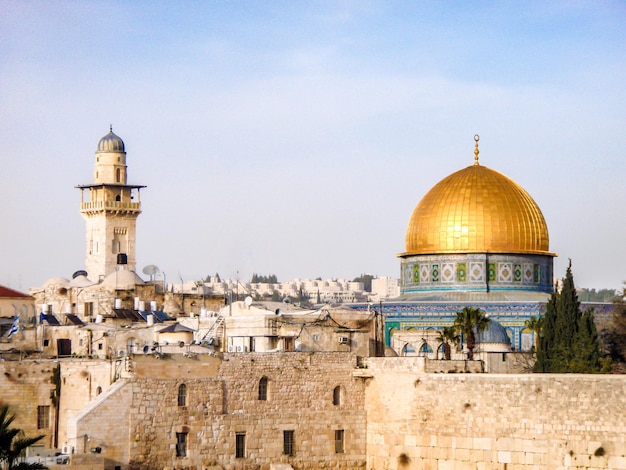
[[470, 321], [446, 336], [13, 442], [535, 324]]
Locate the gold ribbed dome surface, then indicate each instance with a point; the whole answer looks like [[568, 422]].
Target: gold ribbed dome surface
[[477, 210]]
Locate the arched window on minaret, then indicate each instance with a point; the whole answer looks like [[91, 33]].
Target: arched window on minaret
[[118, 198], [118, 175]]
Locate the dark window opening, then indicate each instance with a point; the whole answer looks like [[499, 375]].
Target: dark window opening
[[263, 389], [240, 445], [288, 442], [339, 441], [182, 395], [337, 396], [181, 444], [43, 417]]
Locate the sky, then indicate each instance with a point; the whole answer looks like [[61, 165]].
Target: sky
[[296, 138]]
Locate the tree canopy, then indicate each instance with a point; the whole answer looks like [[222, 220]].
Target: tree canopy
[[470, 321], [13, 442], [258, 278], [569, 340], [614, 336]]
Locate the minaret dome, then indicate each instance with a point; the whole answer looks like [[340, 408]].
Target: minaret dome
[[111, 143]]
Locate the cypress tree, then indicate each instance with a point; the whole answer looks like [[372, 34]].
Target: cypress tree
[[586, 350], [570, 339], [547, 339]]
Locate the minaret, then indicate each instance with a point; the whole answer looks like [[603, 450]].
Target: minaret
[[110, 208]]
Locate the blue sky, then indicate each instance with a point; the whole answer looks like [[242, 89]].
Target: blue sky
[[296, 138]]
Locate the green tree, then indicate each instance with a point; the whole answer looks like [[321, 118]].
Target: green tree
[[586, 351], [13, 443], [535, 324], [258, 278], [469, 322], [614, 336], [446, 336], [547, 338], [569, 341]]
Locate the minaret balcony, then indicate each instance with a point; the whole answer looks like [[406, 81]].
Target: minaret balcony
[[97, 206]]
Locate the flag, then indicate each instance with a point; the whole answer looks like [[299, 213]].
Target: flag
[[15, 327]]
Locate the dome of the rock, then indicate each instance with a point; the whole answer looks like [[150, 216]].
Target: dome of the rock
[[477, 210]]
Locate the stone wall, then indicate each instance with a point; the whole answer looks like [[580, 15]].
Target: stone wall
[[104, 424], [299, 399], [483, 421], [25, 386], [81, 382]]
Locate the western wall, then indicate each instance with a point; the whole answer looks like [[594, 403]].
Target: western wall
[[394, 414], [486, 421]]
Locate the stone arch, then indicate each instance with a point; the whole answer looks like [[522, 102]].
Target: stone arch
[[264, 389], [337, 395]]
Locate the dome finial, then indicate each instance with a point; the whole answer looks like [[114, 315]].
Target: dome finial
[[111, 127], [476, 151]]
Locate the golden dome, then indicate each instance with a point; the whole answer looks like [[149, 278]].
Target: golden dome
[[477, 210]]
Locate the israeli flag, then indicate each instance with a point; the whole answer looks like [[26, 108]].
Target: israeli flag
[[15, 327]]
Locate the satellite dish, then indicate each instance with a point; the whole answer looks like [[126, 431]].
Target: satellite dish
[[248, 301], [150, 270], [79, 273]]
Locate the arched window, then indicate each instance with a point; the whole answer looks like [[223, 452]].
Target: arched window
[[337, 396], [98, 390], [118, 175], [263, 389], [118, 198], [182, 395], [408, 350]]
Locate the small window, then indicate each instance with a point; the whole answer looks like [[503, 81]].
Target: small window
[[118, 198], [288, 442], [263, 389], [181, 444], [339, 441], [240, 445], [98, 390], [100, 346], [337, 396], [43, 417], [182, 395], [88, 308], [118, 175]]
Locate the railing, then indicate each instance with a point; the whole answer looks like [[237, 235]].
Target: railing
[[216, 329], [99, 205]]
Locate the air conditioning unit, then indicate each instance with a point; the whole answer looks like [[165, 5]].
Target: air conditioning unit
[[343, 340]]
